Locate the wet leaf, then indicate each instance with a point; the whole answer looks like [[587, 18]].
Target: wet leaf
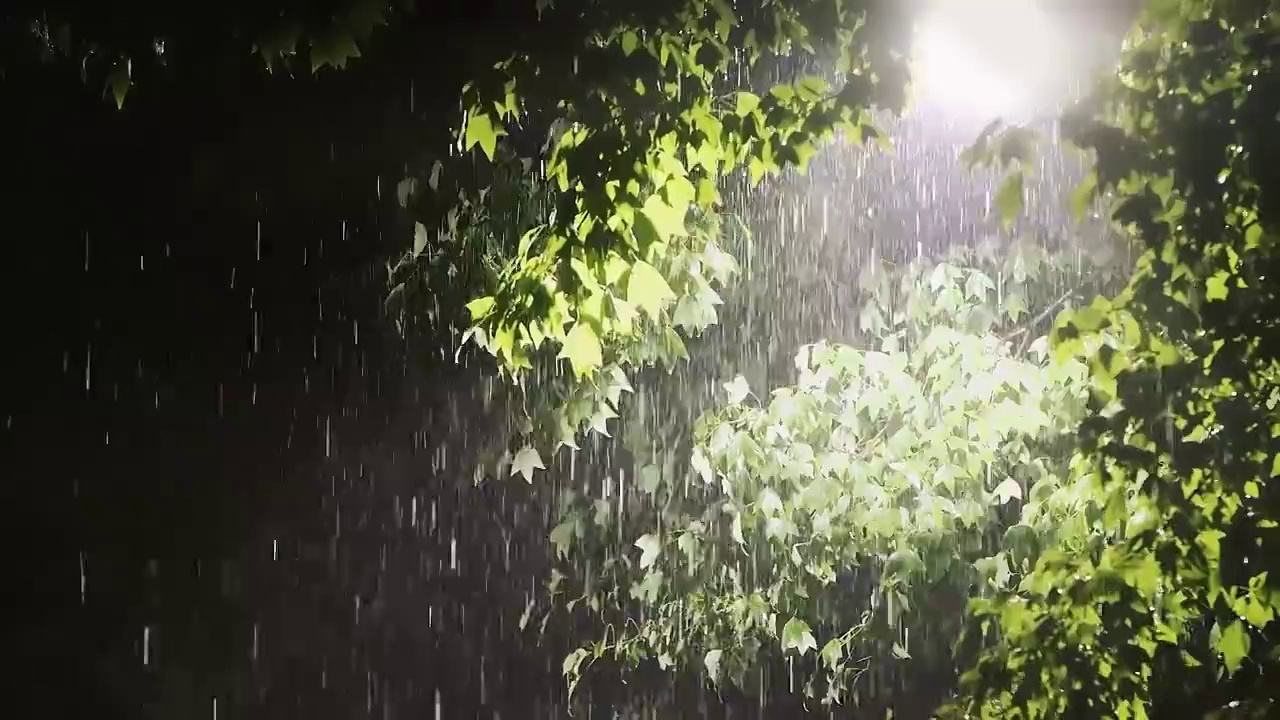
[[582, 349], [119, 80], [833, 652], [737, 390], [482, 131], [648, 290], [649, 546], [481, 307], [1008, 198], [562, 538], [1008, 490], [1233, 643], [526, 462], [746, 102], [1216, 286], [711, 661], [797, 636], [419, 238]]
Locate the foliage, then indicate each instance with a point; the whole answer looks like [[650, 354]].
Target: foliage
[[648, 125], [467, 248], [836, 513], [114, 52], [1178, 617]]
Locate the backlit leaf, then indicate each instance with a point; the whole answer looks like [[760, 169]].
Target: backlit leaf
[[797, 636], [648, 290], [582, 349], [649, 546], [526, 462], [482, 131]]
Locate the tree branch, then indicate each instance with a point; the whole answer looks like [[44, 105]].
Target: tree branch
[[1026, 329]]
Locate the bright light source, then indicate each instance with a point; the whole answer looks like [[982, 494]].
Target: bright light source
[[985, 58]]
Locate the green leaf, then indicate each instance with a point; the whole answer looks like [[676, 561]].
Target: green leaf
[[405, 190], [481, 307], [903, 564], [667, 219], [650, 478], [419, 238], [618, 384], [629, 42], [1253, 235], [833, 653], [582, 349], [573, 662], [334, 49], [687, 543], [712, 662], [1009, 198], [693, 314], [746, 102], [702, 467], [482, 131], [1140, 521], [525, 462], [1215, 288], [737, 390], [1021, 542], [1233, 643], [977, 285], [812, 88], [797, 636], [1008, 490], [650, 546], [562, 538], [648, 290], [118, 80], [1082, 195], [1015, 305]]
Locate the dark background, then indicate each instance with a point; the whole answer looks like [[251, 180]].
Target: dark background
[[214, 445]]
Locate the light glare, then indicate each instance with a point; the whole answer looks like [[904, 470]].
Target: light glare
[[985, 58]]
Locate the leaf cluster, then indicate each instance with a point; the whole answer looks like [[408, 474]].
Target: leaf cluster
[[1177, 616], [835, 512]]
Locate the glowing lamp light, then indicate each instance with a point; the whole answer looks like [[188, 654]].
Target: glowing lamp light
[[985, 58]]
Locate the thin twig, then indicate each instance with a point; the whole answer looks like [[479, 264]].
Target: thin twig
[[1036, 321]]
